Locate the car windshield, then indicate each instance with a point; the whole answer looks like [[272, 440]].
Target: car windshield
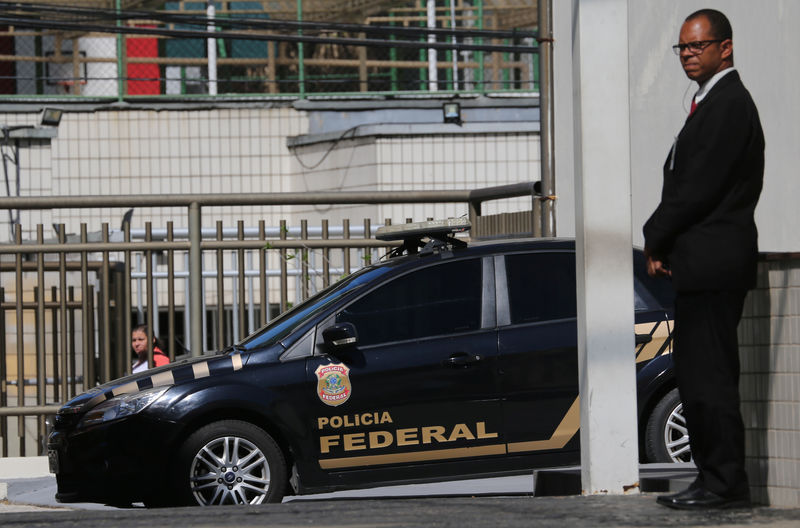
[[285, 324]]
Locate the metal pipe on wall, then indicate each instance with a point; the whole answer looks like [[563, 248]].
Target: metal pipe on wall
[[212, 50], [433, 72], [548, 216]]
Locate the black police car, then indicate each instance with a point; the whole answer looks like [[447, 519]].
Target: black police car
[[444, 362]]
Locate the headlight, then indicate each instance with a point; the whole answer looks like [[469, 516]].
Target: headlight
[[121, 406]]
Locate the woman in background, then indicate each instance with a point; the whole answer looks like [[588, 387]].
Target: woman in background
[[139, 345]]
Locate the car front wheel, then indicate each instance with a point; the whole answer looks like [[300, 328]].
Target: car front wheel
[[666, 436], [230, 462]]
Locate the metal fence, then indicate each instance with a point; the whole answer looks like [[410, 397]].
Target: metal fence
[[273, 48], [67, 306]]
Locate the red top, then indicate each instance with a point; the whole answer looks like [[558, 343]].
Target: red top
[[159, 357]]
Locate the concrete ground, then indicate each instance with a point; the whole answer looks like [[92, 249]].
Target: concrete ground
[[504, 501]]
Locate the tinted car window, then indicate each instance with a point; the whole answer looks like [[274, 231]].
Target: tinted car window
[[436, 300], [541, 286], [287, 322], [660, 288]]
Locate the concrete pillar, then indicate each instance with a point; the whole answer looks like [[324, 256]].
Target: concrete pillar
[[609, 446]]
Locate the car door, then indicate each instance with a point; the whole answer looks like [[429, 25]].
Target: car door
[[418, 390], [538, 353]]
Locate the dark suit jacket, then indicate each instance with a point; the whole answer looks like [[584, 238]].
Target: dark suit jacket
[[704, 228]]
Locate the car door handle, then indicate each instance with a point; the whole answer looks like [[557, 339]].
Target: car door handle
[[642, 339], [461, 360]]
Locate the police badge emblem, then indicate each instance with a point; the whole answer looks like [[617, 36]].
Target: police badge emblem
[[333, 384]]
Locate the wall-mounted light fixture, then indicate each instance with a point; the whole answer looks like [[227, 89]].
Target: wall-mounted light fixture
[[452, 113], [50, 117]]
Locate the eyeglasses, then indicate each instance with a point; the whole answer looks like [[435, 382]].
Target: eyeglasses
[[695, 48]]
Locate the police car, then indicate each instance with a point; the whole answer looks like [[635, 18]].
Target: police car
[[445, 360]]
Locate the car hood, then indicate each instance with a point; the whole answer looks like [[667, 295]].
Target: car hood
[[173, 374]]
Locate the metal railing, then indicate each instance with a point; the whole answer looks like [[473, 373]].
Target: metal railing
[[57, 343], [256, 48]]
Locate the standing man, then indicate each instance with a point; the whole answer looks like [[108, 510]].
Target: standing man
[[703, 235]]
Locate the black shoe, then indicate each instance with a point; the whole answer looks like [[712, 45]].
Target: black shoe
[[702, 499]]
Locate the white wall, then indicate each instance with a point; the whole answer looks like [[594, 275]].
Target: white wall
[[765, 47]]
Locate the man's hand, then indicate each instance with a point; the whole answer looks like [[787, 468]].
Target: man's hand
[[655, 266]]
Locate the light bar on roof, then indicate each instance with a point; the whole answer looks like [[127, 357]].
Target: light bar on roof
[[428, 228]]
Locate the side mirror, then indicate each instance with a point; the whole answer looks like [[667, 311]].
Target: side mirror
[[340, 337]]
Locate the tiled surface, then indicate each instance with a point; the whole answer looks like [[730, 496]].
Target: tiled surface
[[770, 383], [244, 150], [415, 163], [158, 152]]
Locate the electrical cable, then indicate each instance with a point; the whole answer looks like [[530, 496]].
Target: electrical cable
[[35, 23], [260, 23]]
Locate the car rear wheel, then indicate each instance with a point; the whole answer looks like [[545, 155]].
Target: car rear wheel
[[230, 462], [666, 436]]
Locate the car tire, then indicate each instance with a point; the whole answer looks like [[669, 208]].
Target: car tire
[[666, 436], [230, 462]]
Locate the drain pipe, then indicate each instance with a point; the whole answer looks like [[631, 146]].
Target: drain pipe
[[212, 49], [548, 197]]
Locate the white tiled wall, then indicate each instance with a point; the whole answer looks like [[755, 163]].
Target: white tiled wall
[[158, 152], [407, 163], [229, 150], [770, 384]]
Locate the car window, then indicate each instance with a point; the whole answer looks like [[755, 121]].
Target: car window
[[659, 287], [437, 300], [287, 322], [541, 286]]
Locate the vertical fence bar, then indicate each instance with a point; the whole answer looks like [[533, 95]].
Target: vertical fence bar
[[41, 362], [122, 352], [301, 68], [196, 278], [211, 46], [392, 58], [423, 55], [326, 256], [433, 66], [62, 312], [170, 294], [367, 236], [120, 57], [71, 342], [262, 273], [284, 270], [388, 222], [55, 341], [346, 251], [20, 340], [92, 343], [105, 349], [240, 274], [3, 374], [85, 314], [126, 287], [480, 74], [148, 266], [220, 292], [304, 276], [251, 296], [272, 81], [363, 79]]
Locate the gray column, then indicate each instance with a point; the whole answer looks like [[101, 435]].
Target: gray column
[[609, 446]]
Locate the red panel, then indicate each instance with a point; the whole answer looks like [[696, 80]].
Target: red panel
[[143, 79]]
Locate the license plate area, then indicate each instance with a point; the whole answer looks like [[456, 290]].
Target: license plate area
[[52, 460]]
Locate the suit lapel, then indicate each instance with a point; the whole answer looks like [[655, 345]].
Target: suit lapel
[[724, 82]]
